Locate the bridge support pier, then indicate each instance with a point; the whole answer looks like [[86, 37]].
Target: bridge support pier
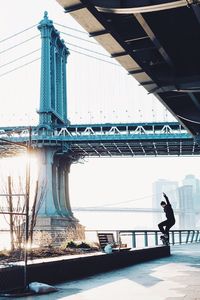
[[55, 220]]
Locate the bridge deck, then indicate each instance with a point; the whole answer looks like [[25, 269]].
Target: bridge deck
[[104, 140], [170, 278]]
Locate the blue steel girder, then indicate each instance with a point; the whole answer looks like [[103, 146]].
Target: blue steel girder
[[105, 140]]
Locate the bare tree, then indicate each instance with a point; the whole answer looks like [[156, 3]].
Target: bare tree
[[15, 210], [18, 220], [33, 214], [10, 208], [37, 201]]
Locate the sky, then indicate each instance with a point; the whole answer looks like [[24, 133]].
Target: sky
[[99, 91]]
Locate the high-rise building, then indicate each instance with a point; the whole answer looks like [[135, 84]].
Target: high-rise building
[[170, 188], [186, 200], [191, 180], [186, 206]]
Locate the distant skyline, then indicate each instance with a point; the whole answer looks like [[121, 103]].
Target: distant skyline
[[109, 181]]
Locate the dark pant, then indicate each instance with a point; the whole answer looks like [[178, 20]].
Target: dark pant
[[167, 224]]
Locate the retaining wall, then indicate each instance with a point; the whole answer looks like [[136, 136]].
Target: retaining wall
[[69, 268]]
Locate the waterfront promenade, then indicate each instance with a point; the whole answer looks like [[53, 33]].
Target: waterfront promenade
[[170, 278]]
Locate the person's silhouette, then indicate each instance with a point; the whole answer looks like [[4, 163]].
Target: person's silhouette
[[165, 226]]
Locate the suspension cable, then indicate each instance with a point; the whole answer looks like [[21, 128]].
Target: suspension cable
[[74, 29], [15, 34], [90, 56], [79, 38], [81, 53], [137, 199], [83, 48], [30, 62], [33, 37], [12, 61]]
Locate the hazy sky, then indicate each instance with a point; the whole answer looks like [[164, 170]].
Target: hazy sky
[[98, 91]]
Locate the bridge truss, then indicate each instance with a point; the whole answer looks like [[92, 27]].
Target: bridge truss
[[103, 140]]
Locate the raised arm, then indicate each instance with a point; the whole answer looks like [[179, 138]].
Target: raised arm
[[166, 198]]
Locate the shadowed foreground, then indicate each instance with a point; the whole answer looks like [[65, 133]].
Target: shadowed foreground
[[172, 278]]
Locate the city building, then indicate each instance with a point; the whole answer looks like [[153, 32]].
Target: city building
[[185, 198], [191, 180], [170, 188], [186, 206]]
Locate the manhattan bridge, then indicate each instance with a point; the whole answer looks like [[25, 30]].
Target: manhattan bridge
[[145, 54]]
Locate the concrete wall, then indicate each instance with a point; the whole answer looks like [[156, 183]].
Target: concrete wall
[[73, 268]]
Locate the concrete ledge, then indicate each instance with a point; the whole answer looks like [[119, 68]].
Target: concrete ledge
[[62, 269]]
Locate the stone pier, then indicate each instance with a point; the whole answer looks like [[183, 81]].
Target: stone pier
[[55, 220]]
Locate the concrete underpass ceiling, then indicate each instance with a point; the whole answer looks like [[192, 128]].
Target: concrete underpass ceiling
[[157, 42]]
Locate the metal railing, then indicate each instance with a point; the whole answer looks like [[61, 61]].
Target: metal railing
[[133, 238], [152, 237], [148, 238]]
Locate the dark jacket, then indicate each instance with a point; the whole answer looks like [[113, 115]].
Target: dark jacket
[[169, 211]]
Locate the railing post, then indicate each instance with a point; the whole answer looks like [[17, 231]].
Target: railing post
[[145, 239], [156, 238], [197, 235], [193, 233], [133, 239], [188, 235], [173, 239], [180, 237], [118, 239]]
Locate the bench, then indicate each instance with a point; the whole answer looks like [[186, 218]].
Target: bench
[[108, 238]]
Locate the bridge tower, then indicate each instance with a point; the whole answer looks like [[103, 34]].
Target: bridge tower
[[55, 215], [53, 95]]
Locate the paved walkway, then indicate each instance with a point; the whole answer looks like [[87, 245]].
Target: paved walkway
[[173, 278]]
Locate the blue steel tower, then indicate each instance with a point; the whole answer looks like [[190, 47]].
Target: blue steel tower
[[53, 96], [55, 211]]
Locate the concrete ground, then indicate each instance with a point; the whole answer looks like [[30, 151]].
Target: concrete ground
[[173, 278]]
